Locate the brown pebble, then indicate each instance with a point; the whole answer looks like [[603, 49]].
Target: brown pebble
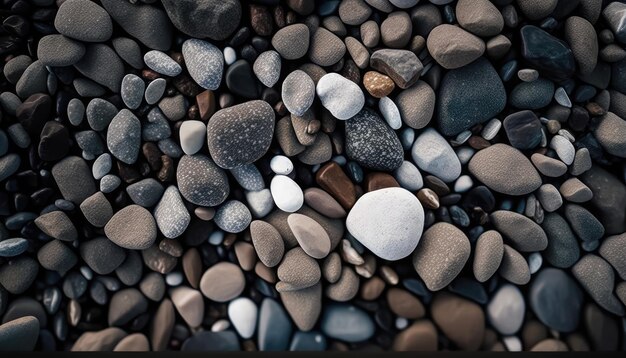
[[378, 84], [478, 142], [267, 242], [304, 306], [222, 282], [286, 137], [192, 267], [323, 203], [461, 320], [157, 260], [311, 236], [437, 185], [206, 104], [335, 181], [171, 247], [265, 272], [377, 180], [298, 269], [514, 267], [577, 343], [313, 127], [533, 332], [389, 275], [331, 267], [152, 154], [550, 345], [149, 75], [345, 288], [372, 288], [205, 214], [136, 342], [368, 268], [162, 325], [245, 255], [420, 336], [594, 109], [261, 20], [428, 198], [404, 304], [489, 339], [167, 172]]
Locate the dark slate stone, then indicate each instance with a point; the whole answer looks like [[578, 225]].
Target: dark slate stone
[[523, 129], [556, 299], [547, 53]]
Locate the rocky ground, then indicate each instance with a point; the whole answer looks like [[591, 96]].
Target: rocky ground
[[312, 175]]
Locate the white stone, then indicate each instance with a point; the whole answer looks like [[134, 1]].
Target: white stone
[[463, 184], [432, 153], [390, 112], [563, 148], [342, 97], [260, 202], [286, 193], [243, 313], [512, 343], [408, 176], [506, 309], [230, 56], [281, 165], [389, 222], [192, 136]]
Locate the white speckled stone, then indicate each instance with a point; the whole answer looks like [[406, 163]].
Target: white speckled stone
[[267, 67], [161, 63], [298, 92], [205, 63], [233, 216], [124, 136], [170, 214], [260, 202], [132, 90], [249, 177]]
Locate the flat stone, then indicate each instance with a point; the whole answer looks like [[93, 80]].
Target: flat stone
[[298, 92], [209, 189], [73, 178], [304, 306], [514, 268], [581, 36], [126, 305], [274, 326], [461, 320], [563, 250], [103, 340], [547, 53], [267, 67], [396, 29], [222, 282], [189, 304], [243, 314], [216, 20], [612, 250], [292, 42], [432, 154], [416, 105], [146, 192], [120, 229], [584, 223], [287, 194], [310, 235], [526, 236], [452, 47], [129, 51], [487, 255], [124, 136], [102, 255], [97, 209], [59, 51], [346, 323], [402, 66], [532, 95], [325, 48], [298, 270], [233, 216], [556, 299], [102, 65], [481, 18], [20, 334]]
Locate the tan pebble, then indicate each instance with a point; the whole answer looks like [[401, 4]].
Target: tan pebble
[[331, 267], [268, 243], [420, 336], [368, 268], [304, 306], [311, 236], [550, 345], [389, 275], [323, 203], [136, 342], [461, 320], [245, 255], [404, 304], [349, 254], [514, 267], [265, 272], [372, 288], [428, 198], [299, 269], [192, 267], [346, 288], [222, 282]]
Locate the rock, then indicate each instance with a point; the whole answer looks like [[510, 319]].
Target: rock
[[354, 12], [13, 247], [582, 37], [383, 151], [609, 199], [346, 323], [440, 257], [402, 66], [612, 251], [124, 136], [136, 342], [342, 97], [131, 270], [575, 191], [153, 287], [97, 209], [216, 20], [304, 306], [243, 315], [596, 276], [286, 193], [192, 134], [146, 23], [83, 20], [462, 102], [14, 68], [56, 256], [233, 216], [59, 51], [377, 84], [298, 92], [207, 341], [392, 213], [73, 178], [222, 282], [308, 341], [506, 309], [170, 214], [102, 255], [505, 169], [231, 143], [155, 90], [487, 255], [32, 81], [120, 228], [205, 63], [20, 334], [556, 299], [416, 105], [311, 235], [274, 327], [549, 197], [211, 189], [146, 192], [563, 148], [298, 270], [536, 10], [404, 304], [292, 42], [584, 223], [189, 304], [57, 225], [125, 305], [614, 15], [161, 63], [129, 51], [103, 340], [532, 95], [420, 336], [526, 236], [562, 250], [514, 267], [100, 113], [267, 242], [462, 321], [249, 177], [548, 166], [610, 134], [102, 65], [54, 142], [432, 154], [267, 67], [396, 29], [452, 47], [481, 18], [17, 275], [325, 48], [547, 53]]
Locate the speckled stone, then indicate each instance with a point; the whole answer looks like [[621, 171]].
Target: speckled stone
[[121, 229], [240, 134], [432, 153], [487, 255], [597, 278], [298, 92], [170, 214], [205, 63], [161, 63], [233, 216], [292, 42], [124, 136], [201, 181], [132, 90], [267, 67], [100, 113]]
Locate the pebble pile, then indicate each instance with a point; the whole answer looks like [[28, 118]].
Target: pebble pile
[[270, 175]]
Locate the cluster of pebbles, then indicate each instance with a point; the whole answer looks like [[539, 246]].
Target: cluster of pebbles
[[313, 175]]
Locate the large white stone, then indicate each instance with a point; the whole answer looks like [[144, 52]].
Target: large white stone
[[287, 194], [243, 315], [340, 96], [506, 309]]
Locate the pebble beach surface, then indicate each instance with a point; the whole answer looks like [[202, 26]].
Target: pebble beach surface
[[268, 175]]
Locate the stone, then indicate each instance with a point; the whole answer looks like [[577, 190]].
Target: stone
[[506, 309], [596, 276], [547, 53], [97, 209], [124, 136], [59, 51], [205, 63], [441, 256], [416, 105], [310, 234], [354, 12], [342, 97], [514, 267], [461, 320], [216, 20], [532, 95], [548, 166], [346, 323], [101, 65], [233, 216], [102, 255], [304, 306], [452, 47], [103, 340], [222, 282], [609, 134], [126, 305], [57, 225], [287, 194], [274, 326], [146, 23], [611, 250], [420, 336], [396, 29], [170, 214], [100, 113], [292, 42], [189, 304], [192, 134], [155, 90], [549, 197], [267, 68], [609, 194], [562, 250], [297, 271], [487, 255], [582, 37], [120, 228], [268, 243], [298, 92], [432, 154], [482, 18], [584, 223], [83, 20], [556, 299], [73, 178], [377, 84], [209, 189], [527, 236], [146, 192], [129, 51], [402, 66], [20, 334], [243, 314], [325, 48]]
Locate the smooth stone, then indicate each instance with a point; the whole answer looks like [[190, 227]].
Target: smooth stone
[[391, 213], [129, 51], [556, 299], [102, 65], [383, 151], [206, 341], [611, 250], [157, 127], [125, 305], [575, 191], [267, 68], [614, 15], [153, 286], [287, 194], [596, 276], [136, 342], [532, 95], [124, 137], [307, 341], [609, 195], [416, 105], [267, 242], [432, 154], [9, 164], [292, 41], [325, 48], [297, 271], [216, 20], [562, 250], [443, 252], [342, 97], [102, 340], [161, 63], [243, 314], [281, 165], [209, 189], [146, 192], [100, 113], [610, 134], [102, 255], [32, 81], [298, 92], [155, 90], [174, 108], [57, 225], [408, 176], [404, 304], [97, 209], [222, 282], [249, 177], [132, 91], [549, 197], [73, 178], [205, 63], [469, 95], [354, 12], [505, 169], [482, 17], [390, 112], [525, 234], [231, 143], [346, 323], [109, 183], [462, 321], [189, 304], [584, 223], [274, 326], [487, 255], [420, 336], [59, 51], [233, 216], [548, 166], [120, 228], [310, 234], [170, 214], [506, 309], [304, 306], [20, 334], [396, 29], [564, 149], [14, 68], [83, 20], [13, 247], [192, 134], [547, 53], [323, 203], [402, 66], [452, 47]]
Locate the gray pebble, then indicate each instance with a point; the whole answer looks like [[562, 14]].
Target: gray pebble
[[174, 108], [597, 278], [248, 176], [201, 181], [15, 67], [73, 179], [124, 136], [121, 228], [162, 63], [146, 192], [102, 65], [59, 51], [157, 126], [83, 20], [132, 91], [267, 68], [233, 216], [170, 214], [155, 90], [109, 183], [205, 63], [298, 92], [75, 111], [129, 51], [101, 166], [18, 135], [32, 81], [97, 209]]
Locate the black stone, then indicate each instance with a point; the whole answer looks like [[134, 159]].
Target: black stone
[[241, 81], [523, 129], [481, 197], [556, 299], [215, 19], [55, 141], [547, 53], [34, 113]]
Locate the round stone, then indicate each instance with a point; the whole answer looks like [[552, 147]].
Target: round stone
[[121, 229], [201, 181], [222, 282], [342, 97], [506, 309], [205, 63]]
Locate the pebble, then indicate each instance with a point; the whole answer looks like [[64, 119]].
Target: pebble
[[59, 51], [532, 95], [325, 49], [547, 53], [527, 235], [584, 223], [298, 92], [13, 247], [506, 309], [205, 63], [125, 305], [132, 91], [9, 164], [452, 47], [346, 323], [443, 252], [596, 276], [383, 150], [548, 166], [562, 250], [231, 143], [505, 169], [462, 321], [297, 271], [304, 306], [102, 340], [416, 105], [611, 250], [170, 214], [469, 83], [432, 154], [72, 176], [419, 336], [209, 189], [83, 20], [402, 66], [310, 234], [274, 326], [192, 135], [233, 216], [609, 134], [482, 18], [120, 228], [408, 176], [292, 42], [97, 209], [342, 97], [146, 192], [243, 315], [390, 112], [215, 20], [129, 51], [155, 90], [102, 255], [549, 197], [100, 113], [377, 84], [124, 136], [514, 267], [287, 194], [157, 127], [396, 29], [101, 65], [354, 12], [57, 225], [267, 68], [487, 255], [189, 304], [222, 282], [267, 242], [556, 299], [20, 334]]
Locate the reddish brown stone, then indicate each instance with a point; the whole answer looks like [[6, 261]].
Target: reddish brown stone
[[379, 180], [420, 336], [377, 84], [206, 104], [333, 179], [461, 320], [478, 142], [261, 20], [404, 304], [167, 171]]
